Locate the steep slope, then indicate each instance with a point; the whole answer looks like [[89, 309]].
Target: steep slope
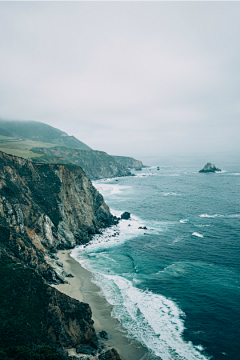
[[33, 312], [45, 207], [96, 164], [37, 131], [129, 162]]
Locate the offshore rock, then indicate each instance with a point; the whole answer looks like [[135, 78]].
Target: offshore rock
[[44, 207], [125, 216], [209, 168]]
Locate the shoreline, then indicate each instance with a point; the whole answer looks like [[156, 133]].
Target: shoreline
[[81, 288]]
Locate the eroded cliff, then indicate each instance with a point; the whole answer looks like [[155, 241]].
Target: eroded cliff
[[44, 207], [96, 164], [129, 162]]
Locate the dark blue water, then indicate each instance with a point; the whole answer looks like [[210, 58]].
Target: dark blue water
[[175, 287]]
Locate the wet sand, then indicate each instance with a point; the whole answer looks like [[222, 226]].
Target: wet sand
[[81, 288]]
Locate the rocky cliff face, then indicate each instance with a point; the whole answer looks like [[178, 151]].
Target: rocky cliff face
[[33, 312], [96, 164], [129, 162], [45, 207]]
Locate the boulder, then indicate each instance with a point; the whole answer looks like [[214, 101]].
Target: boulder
[[125, 216], [86, 350], [103, 334], [111, 354]]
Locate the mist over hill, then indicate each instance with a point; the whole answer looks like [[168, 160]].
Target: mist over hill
[[42, 143], [37, 131]]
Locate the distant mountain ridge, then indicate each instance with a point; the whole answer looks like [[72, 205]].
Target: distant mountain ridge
[[37, 131]]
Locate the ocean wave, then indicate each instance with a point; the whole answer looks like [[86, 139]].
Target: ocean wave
[[109, 189], [152, 319], [171, 194], [184, 221], [210, 216], [218, 215], [197, 234]]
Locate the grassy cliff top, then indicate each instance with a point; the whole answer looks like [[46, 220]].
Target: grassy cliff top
[[18, 137]]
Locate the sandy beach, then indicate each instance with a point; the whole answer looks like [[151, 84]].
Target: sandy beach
[[81, 288]]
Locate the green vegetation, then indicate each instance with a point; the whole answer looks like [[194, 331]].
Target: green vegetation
[[22, 148], [23, 298], [26, 353], [6, 138], [24, 307], [38, 132]]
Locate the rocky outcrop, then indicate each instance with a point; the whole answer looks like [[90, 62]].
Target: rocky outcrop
[[33, 312], [209, 168], [111, 354], [96, 164], [129, 162], [45, 207]]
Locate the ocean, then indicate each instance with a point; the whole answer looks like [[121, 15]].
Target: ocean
[[174, 286]]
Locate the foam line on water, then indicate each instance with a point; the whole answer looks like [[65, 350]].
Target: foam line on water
[[197, 235], [124, 231], [210, 216], [220, 216], [110, 189], [152, 319]]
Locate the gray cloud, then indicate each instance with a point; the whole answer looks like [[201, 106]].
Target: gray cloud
[[131, 78]]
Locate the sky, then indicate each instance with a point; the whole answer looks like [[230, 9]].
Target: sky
[[128, 78]]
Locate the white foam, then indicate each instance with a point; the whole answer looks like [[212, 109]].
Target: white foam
[[109, 189], [144, 174], [201, 225], [218, 215], [197, 234], [210, 216], [171, 194], [184, 221], [152, 319]]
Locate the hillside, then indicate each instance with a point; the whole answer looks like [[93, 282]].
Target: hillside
[[37, 131], [42, 143], [96, 164], [129, 162]]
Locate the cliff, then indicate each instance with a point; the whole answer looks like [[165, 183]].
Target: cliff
[[129, 162], [33, 312], [44, 207], [96, 164]]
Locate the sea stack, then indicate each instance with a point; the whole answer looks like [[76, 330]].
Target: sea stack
[[209, 168]]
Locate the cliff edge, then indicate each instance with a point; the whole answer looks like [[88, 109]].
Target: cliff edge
[[44, 207]]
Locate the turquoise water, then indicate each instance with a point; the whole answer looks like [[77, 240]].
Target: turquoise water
[[175, 287]]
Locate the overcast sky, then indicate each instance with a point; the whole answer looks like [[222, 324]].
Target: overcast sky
[[130, 78]]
